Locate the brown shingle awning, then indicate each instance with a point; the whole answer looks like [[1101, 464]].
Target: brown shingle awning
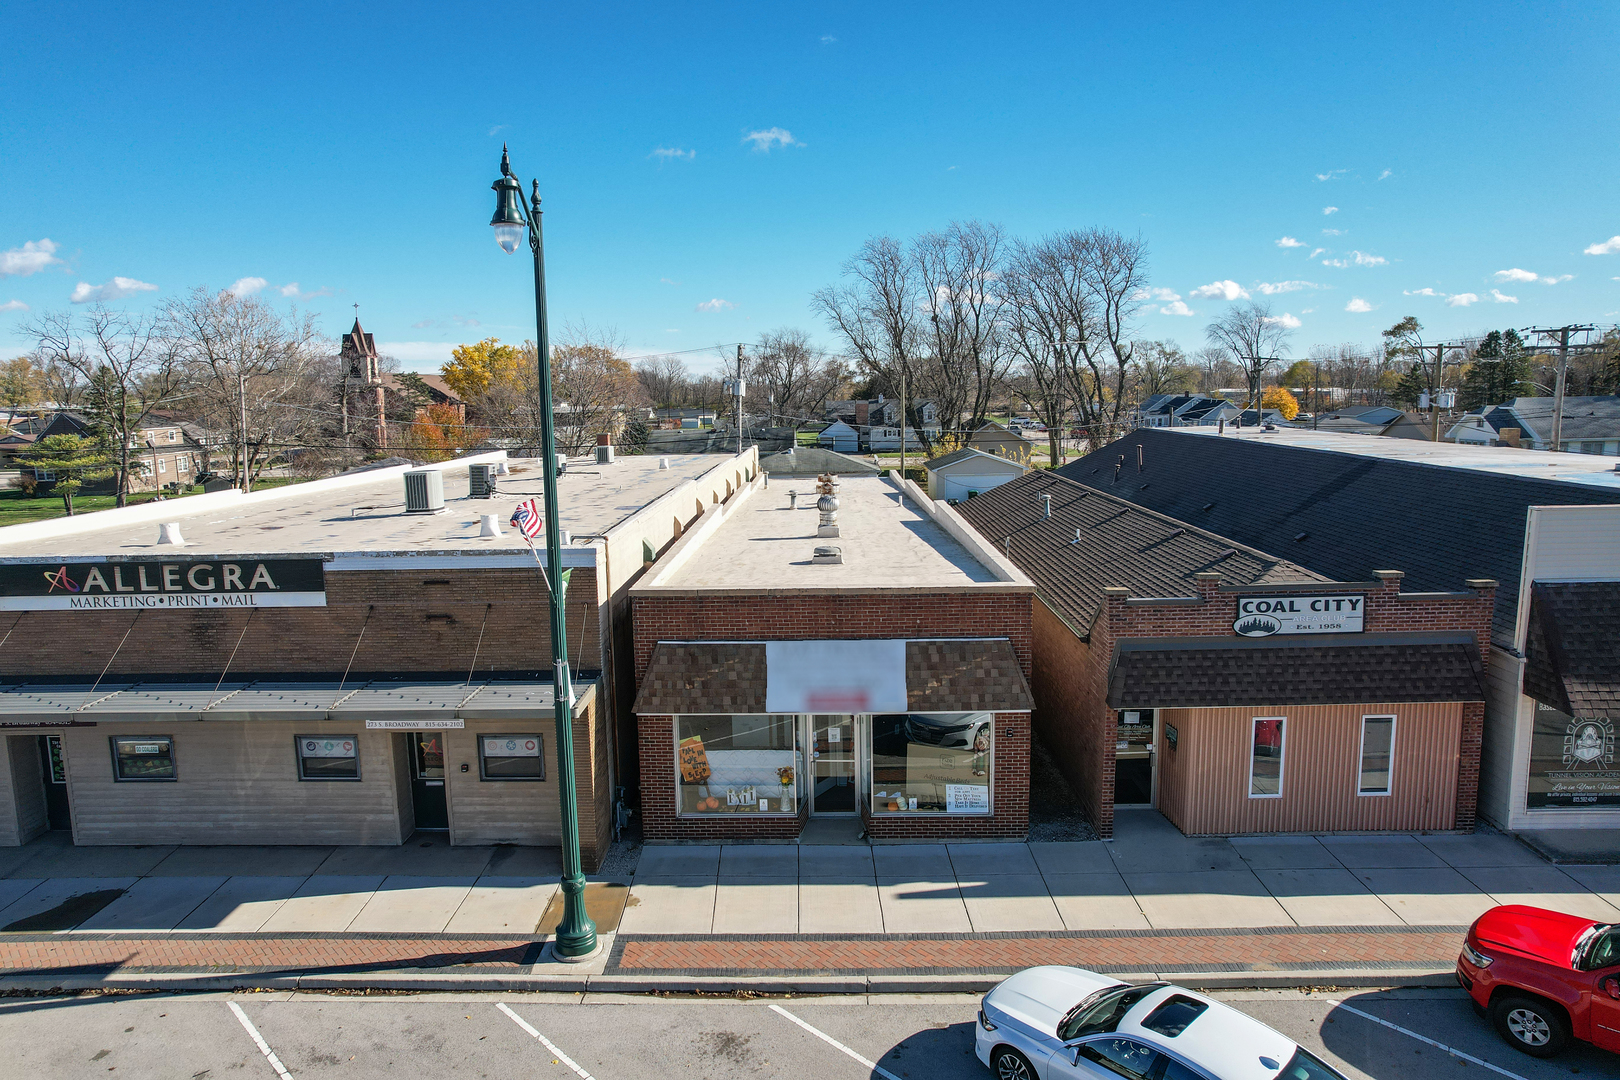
[[1573, 647], [969, 675], [1192, 673]]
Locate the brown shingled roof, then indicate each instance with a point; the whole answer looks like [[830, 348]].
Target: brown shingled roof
[[1188, 673], [1573, 647], [950, 675], [1120, 544]]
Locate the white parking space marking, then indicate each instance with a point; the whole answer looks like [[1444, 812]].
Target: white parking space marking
[[547, 1043], [264, 1047], [829, 1040], [1453, 1051]]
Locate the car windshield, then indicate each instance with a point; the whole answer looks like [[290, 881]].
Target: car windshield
[[1102, 1011], [1601, 949], [1307, 1066]]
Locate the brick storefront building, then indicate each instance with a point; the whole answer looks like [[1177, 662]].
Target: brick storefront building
[[314, 664], [1235, 691], [885, 692]]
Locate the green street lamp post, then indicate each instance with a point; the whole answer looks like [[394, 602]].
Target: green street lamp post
[[576, 935]]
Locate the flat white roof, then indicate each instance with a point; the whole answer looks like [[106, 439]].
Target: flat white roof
[[886, 542], [1591, 470], [362, 514]]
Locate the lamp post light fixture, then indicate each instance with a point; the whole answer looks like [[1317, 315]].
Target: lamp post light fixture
[[576, 935]]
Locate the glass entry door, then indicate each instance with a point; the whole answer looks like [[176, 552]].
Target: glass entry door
[[427, 780], [1133, 759], [832, 765]]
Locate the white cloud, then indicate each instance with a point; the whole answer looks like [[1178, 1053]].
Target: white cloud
[[716, 304], [36, 255], [1357, 304], [827, 39], [1225, 290], [1503, 298], [246, 286], [1462, 299], [13, 305], [1608, 247], [1556, 280], [116, 289], [1357, 258], [769, 138], [1156, 294], [668, 281], [1385, 175], [1516, 275], [1289, 241], [497, 129], [1177, 307], [669, 153], [1285, 319], [1331, 174], [1425, 291], [1334, 232], [1330, 210], [290, 291], [423, 325], [1315, 252], [1272, 288]]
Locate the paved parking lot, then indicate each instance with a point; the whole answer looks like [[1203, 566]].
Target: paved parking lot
[[1149, 877], [606, 1038]]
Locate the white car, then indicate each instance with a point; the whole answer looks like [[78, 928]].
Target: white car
[[1057, 1023]]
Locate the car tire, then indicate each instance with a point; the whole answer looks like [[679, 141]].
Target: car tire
[[1530, 1025], [1008, 1064]]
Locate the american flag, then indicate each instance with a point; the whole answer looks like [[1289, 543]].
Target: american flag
[[526, 519]]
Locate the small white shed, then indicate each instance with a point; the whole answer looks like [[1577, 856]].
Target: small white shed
[[968, 472], [841, 437]]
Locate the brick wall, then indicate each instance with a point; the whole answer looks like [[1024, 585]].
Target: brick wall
[[1079, 735], [401, 635]]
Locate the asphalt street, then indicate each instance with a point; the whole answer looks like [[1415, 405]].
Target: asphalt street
[[566, 1037]]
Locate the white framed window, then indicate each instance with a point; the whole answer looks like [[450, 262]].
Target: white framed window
[[174, 436], [1268, 746], [1377, 756], [163, 465]]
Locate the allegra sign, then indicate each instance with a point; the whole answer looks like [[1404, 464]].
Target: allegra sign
[[100, 584], [1263, 616]]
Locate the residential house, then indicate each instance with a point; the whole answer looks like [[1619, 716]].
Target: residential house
[[840, 437], [1591, 425], [968, 472], [1000, 441]]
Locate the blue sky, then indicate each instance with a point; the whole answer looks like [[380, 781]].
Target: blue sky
[[343, 154]]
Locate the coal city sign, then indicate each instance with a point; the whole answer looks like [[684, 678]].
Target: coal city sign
[[1263, 616], [103, 584]]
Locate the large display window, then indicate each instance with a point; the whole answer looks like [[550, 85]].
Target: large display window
[[738, 764], [1572, 762], [931, 763]]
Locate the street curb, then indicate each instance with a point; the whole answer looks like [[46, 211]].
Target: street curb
[[425, 982]]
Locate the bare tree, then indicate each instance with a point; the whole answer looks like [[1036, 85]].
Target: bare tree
[[1251, 337], [1038, 325], [663, 379], [1160, 368], [254, 373], [593, 385], [119, 366], [789, 377], [960, 271]]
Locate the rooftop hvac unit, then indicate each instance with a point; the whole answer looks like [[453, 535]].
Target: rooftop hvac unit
[[424, 491], [481, 481]]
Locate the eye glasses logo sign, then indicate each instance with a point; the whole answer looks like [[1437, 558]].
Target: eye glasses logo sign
[[1589, 743]]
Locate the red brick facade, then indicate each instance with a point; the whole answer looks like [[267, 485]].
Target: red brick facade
[[793, 615]]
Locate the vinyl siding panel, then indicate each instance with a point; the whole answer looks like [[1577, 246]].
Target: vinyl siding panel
[[237, 784], [1203, 784], [22, 791], [1504, 674], [501, 811]]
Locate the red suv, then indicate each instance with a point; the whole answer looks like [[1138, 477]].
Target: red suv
[[1544, 977]]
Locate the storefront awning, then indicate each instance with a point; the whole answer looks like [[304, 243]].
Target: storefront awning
[[1573, 647], [30, 704], [946, 675], [1190, 673]]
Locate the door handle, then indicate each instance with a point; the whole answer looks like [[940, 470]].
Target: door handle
[[1611, 986], [434, 783]]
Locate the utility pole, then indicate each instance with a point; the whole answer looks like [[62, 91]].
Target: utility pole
[[241, 395], [737, 393], [902, 425], [1562, 333], [1434, 388]]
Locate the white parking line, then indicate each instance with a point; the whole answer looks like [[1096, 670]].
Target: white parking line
[[547, 1043], [829, 1040], [1453, 1051], [264, 1047]]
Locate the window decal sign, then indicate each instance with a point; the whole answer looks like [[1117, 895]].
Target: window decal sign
[[105, 584], [511, 746], [333, 748], [1263, 616]]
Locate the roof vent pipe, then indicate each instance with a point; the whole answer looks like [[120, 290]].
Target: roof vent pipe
[[663, 463], [169, 533], [1046, 506], [489, 525], [793, 500], [1077, 536]]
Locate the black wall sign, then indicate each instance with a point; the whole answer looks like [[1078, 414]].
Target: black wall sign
[[103, 584]]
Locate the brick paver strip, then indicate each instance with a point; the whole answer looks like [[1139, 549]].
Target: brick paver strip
[[1267, 949], [68, 954]]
